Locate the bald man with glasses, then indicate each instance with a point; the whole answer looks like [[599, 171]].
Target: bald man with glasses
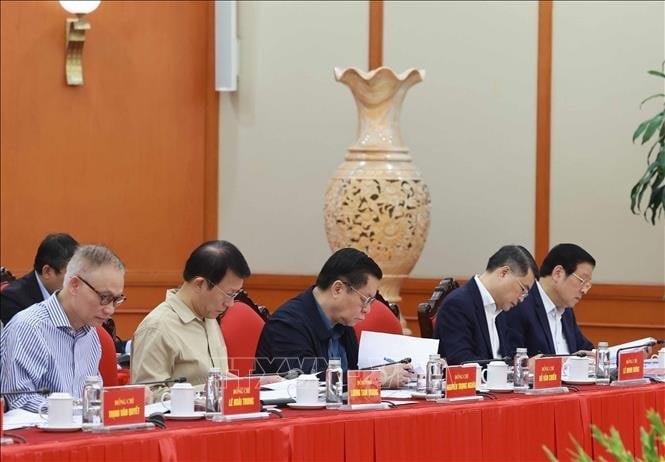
[[53, 344]]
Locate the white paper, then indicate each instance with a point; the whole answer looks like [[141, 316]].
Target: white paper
[[401, 393], [635, 343], [378, 348]]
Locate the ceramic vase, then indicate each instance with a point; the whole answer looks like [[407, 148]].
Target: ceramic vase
[[376, 200]]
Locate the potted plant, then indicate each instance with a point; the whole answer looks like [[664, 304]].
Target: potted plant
[[654, 176]]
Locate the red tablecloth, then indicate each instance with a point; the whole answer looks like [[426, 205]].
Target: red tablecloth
[[513, 427]]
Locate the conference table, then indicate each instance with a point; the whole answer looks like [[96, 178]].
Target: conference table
[[508, 427]]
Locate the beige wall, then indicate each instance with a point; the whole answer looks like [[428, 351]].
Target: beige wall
[[601, 54], [471, 124], [286, 129], [471, 127]]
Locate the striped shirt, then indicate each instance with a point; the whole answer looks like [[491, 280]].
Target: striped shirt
[[40, 348]]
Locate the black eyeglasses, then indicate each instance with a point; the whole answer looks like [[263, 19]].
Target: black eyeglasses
[[232, 295], [105, 299], [367, 301]]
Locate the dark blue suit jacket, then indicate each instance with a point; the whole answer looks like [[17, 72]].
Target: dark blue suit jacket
[[528, 327], [295, 337], [19, 295], [461, 326]]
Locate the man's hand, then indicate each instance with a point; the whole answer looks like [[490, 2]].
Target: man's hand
[[395, 375], [268, 379]]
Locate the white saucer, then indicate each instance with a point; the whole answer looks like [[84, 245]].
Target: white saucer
[[306, 406], [587, 381], [195, 416], [59, 428], [505, 389]]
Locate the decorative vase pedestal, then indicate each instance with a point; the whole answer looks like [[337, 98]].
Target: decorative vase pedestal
[[377, 201]]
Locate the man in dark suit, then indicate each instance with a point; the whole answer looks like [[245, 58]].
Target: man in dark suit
[[317, 325], [545, 322], [470, 324], [51, 260]]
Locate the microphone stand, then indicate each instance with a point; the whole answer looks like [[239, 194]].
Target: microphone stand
[[643, 380], [401, 361]]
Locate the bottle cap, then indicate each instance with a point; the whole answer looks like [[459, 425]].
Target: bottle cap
[[334, 362], [602, 344], [436, 356], [520, 350], [93, 378], [216, 370]]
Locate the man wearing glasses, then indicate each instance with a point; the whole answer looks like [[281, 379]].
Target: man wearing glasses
[[53, 344], [470, 324], [545, 322], [181, 336], [317, 325]]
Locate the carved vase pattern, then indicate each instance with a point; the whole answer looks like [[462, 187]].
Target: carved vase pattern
[[377, 200]]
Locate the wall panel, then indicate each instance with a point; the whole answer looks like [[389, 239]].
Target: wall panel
[[120, 160]]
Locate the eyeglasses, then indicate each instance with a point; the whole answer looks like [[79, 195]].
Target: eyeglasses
[[231, 295], [584, 284], [367, 301], [104, 299], [525, 290]]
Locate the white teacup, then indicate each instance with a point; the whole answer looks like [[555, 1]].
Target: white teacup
[[661, 358], [479, 374], [576, 368], [307, 389], [60, 410], [496, 375], [182, 399]]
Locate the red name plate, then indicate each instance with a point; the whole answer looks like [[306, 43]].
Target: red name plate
[[460, 381], [364, 387], [631, 365], [123, 405], [241, 396], [547, 373]]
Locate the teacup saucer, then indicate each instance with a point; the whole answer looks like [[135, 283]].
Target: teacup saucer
[[194, 416], [73, 427], [318, 405], [586, 381], [507, 388]]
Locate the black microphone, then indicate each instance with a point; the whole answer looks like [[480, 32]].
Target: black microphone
[[39, 391], [401, 361], [483, 362], [579, 354], [634, 347], [163, 382]]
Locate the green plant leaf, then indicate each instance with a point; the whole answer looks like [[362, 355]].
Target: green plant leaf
[[550, 456], [658, 73], [640, 129], [653, 125], [651, 97], [649, 451]]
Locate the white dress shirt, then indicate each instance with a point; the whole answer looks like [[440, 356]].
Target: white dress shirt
[[491, 312], [554, 319], [42, 289]]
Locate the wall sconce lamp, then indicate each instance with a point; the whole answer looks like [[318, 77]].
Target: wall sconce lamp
[[75, 37]]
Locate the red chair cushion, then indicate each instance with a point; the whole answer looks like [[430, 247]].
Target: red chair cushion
[[108, 366], [379, 319], [241, 327]]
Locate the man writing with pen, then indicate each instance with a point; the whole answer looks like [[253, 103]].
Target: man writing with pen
[[315, 326]]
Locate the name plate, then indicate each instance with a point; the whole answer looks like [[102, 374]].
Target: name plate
[[547, 373], [241, 395], [364, 387], [631, 365], [460, 382], [123, 405]]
